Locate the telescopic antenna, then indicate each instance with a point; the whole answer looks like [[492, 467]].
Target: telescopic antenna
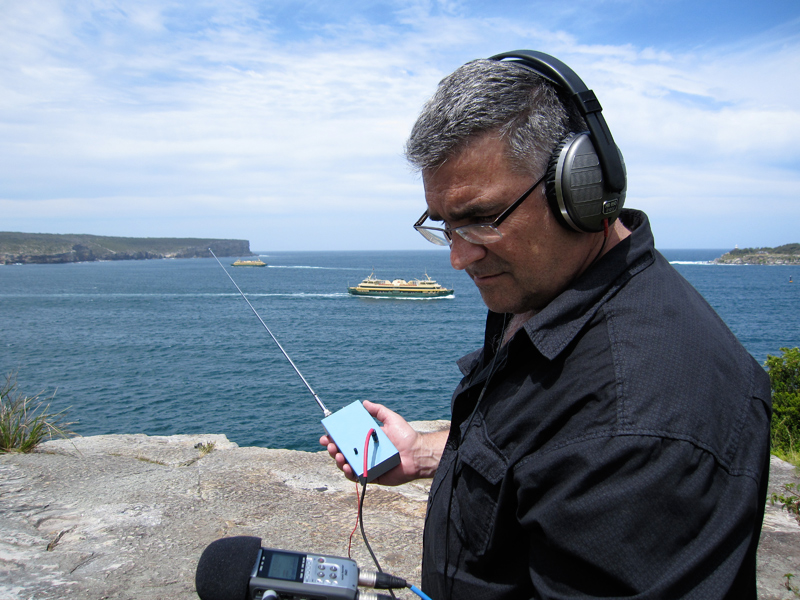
[[313, 393]]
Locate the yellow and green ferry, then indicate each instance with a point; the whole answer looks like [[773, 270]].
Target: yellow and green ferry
[[249, 263], [400, 288]]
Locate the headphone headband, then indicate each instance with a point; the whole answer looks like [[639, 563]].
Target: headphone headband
[[584, 99], [585, 182]]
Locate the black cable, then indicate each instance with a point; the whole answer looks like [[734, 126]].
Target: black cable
[[361, 525], [361, 511]]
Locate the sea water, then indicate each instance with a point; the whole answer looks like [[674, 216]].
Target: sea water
[[168, 346]]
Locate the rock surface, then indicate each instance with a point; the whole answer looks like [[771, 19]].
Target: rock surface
[[127, 516]]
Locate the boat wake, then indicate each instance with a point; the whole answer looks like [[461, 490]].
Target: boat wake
[[312, 267], [299, 295], [404, 298]]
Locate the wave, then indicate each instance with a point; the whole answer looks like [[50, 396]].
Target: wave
[[450, 297], [173, 295], [298, 295], [705, 263], [312, 267]]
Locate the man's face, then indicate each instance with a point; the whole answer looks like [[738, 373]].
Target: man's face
[[536, 258]]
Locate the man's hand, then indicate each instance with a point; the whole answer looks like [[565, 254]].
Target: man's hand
[[419, 453]]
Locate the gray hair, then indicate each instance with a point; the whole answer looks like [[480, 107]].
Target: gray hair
[[486, 96]]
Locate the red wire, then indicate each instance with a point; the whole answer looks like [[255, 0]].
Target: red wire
[[366, 450], [358, 498], [358, 503]]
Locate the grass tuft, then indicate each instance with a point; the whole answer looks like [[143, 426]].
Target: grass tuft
[[790, 586], [204, 448], [26, 421]]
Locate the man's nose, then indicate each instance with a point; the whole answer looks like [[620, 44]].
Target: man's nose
[[464, 253]]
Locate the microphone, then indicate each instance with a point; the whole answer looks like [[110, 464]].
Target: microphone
[[223, 572], [238, 568]]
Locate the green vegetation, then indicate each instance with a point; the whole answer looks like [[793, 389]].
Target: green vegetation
[[789, 501], [205, 448], [26, 421], [52, 243], [784, 375], [788, 254], [60, 248], [790, 586], [789, 249]]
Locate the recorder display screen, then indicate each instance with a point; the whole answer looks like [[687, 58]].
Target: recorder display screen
[[281, 565]]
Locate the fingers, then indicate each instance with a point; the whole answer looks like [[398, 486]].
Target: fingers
[[399, 432], [329, 445], [341, 462], [345, 468]]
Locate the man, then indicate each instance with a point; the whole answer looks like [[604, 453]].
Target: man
[[610, 439]]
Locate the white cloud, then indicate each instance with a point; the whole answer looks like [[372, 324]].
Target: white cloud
[[161, 111]]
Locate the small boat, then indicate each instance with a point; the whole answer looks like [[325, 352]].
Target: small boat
[[399, 288], [249, 263]]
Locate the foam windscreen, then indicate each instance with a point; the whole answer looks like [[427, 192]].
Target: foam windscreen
[[224, 569]]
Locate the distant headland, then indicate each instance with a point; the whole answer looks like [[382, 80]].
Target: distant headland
[[788, 254], [47, 248]]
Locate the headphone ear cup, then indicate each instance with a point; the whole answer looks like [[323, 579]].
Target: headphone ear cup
[[550, 183], [575, 188]]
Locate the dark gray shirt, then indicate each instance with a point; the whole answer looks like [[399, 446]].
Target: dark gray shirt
[[620, 449]]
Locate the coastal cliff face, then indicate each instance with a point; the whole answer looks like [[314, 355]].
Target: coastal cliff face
[[128, 516], [758, 259], [788, 254], [45, 248]]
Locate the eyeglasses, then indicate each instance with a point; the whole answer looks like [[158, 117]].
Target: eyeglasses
[[477, 233]]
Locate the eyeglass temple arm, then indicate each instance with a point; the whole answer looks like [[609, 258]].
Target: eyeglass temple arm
[[421, 219]]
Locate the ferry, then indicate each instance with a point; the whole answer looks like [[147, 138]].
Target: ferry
[[399, 288], [249, 263]]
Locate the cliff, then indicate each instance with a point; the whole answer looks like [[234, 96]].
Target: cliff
[[127, 516], [788, 254], [67, 248]]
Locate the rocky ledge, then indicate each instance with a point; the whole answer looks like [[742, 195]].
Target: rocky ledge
[[758, 259], [127, 516], [788, 254]]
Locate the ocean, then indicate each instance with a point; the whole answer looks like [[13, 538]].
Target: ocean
[[164, 347]]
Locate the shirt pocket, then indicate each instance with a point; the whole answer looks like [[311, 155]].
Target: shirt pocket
[[476, 493]]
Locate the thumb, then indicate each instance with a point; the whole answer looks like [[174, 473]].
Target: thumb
[[380, 412]]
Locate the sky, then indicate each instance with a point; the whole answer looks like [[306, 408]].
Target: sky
[[283, 122]]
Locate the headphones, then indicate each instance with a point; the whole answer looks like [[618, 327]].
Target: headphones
[[585, 182]]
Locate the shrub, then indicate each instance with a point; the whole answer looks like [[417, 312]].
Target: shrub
[[784, 375], [790, 501], [26, 421]]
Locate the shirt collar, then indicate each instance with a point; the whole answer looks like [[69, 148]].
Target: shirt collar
[[553, 328]]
